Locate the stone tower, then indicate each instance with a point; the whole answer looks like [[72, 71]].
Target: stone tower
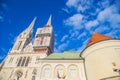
[[44, 40], [24, 39], [23, 59]]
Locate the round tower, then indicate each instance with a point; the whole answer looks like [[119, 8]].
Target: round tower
[[102, 58]]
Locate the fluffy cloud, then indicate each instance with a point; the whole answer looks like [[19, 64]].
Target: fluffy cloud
[[71, 3], [12, 38], [62, 47], [82, 35], [75, 21], [84, 44], [64, 37], [90, 16], [3, 8], [1, 19], [111, 15], [91, 24]]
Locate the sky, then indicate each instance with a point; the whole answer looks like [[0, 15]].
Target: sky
[[73, 21]]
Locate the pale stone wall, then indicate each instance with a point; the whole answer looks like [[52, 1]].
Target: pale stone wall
[[38, 69], [101, 58]]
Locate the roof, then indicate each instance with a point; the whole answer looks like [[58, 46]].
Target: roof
[[96, 37], [65, 55]]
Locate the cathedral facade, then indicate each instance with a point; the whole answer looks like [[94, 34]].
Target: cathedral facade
[[100, 60], [37, 61]]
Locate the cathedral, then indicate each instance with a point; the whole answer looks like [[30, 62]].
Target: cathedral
[[100, 60]]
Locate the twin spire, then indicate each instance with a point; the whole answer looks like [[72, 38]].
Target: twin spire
[[30, 28], [33, 22]]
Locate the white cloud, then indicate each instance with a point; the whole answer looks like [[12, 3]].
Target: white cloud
[[2, 57], [12, 38], [105, 3], [102, 29], [91, 24], [1, 19], [82, 35], [74, 34], [75, 21], [65, 10], [83, 46], [4, 6], [111, 15], [102, 17], [71, 3], [80, 8], [64, 37], [62, 47]]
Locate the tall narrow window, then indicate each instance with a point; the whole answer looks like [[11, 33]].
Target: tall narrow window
[[19, 61], [41, 40], [23, 62], [37, 42], [11, 59], [33, 77], [19, 44], [45, 40], [34, 72], [28, 59]]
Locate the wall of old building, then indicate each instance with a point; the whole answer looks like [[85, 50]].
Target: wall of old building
[[101, 59], [42, 69]]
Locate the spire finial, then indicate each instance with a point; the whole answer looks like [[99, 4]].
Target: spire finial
[[49, 20], [32, 24]]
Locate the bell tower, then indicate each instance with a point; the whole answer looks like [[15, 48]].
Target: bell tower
[[23, 39], [44, 39]]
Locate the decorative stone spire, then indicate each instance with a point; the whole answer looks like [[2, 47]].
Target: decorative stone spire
[[24, 38], [29, 29], [49, 20]]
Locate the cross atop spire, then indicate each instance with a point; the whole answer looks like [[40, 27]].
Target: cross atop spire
[[49, 20]]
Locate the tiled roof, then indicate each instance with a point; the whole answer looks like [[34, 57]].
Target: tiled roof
[[65, 55], [96, 37]]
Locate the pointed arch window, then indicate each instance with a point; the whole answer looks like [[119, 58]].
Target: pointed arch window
[[34, 73], [20, 60], [47, 72], [11, 59], [19, 44], [28, 59], [41, 41], [23, 62]]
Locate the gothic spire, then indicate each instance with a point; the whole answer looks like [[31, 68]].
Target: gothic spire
[[49, 21], [31, 25], [28, 30]]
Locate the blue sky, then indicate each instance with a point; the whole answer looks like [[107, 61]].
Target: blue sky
[[74, 21]]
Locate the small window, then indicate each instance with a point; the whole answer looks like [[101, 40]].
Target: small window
[[28, 59], [11, 59], [61, 74], [73, 72], [33, 77], [19, 44], [47, 72], [23, 62], [34, 72], [41, 40], [20, 60]]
